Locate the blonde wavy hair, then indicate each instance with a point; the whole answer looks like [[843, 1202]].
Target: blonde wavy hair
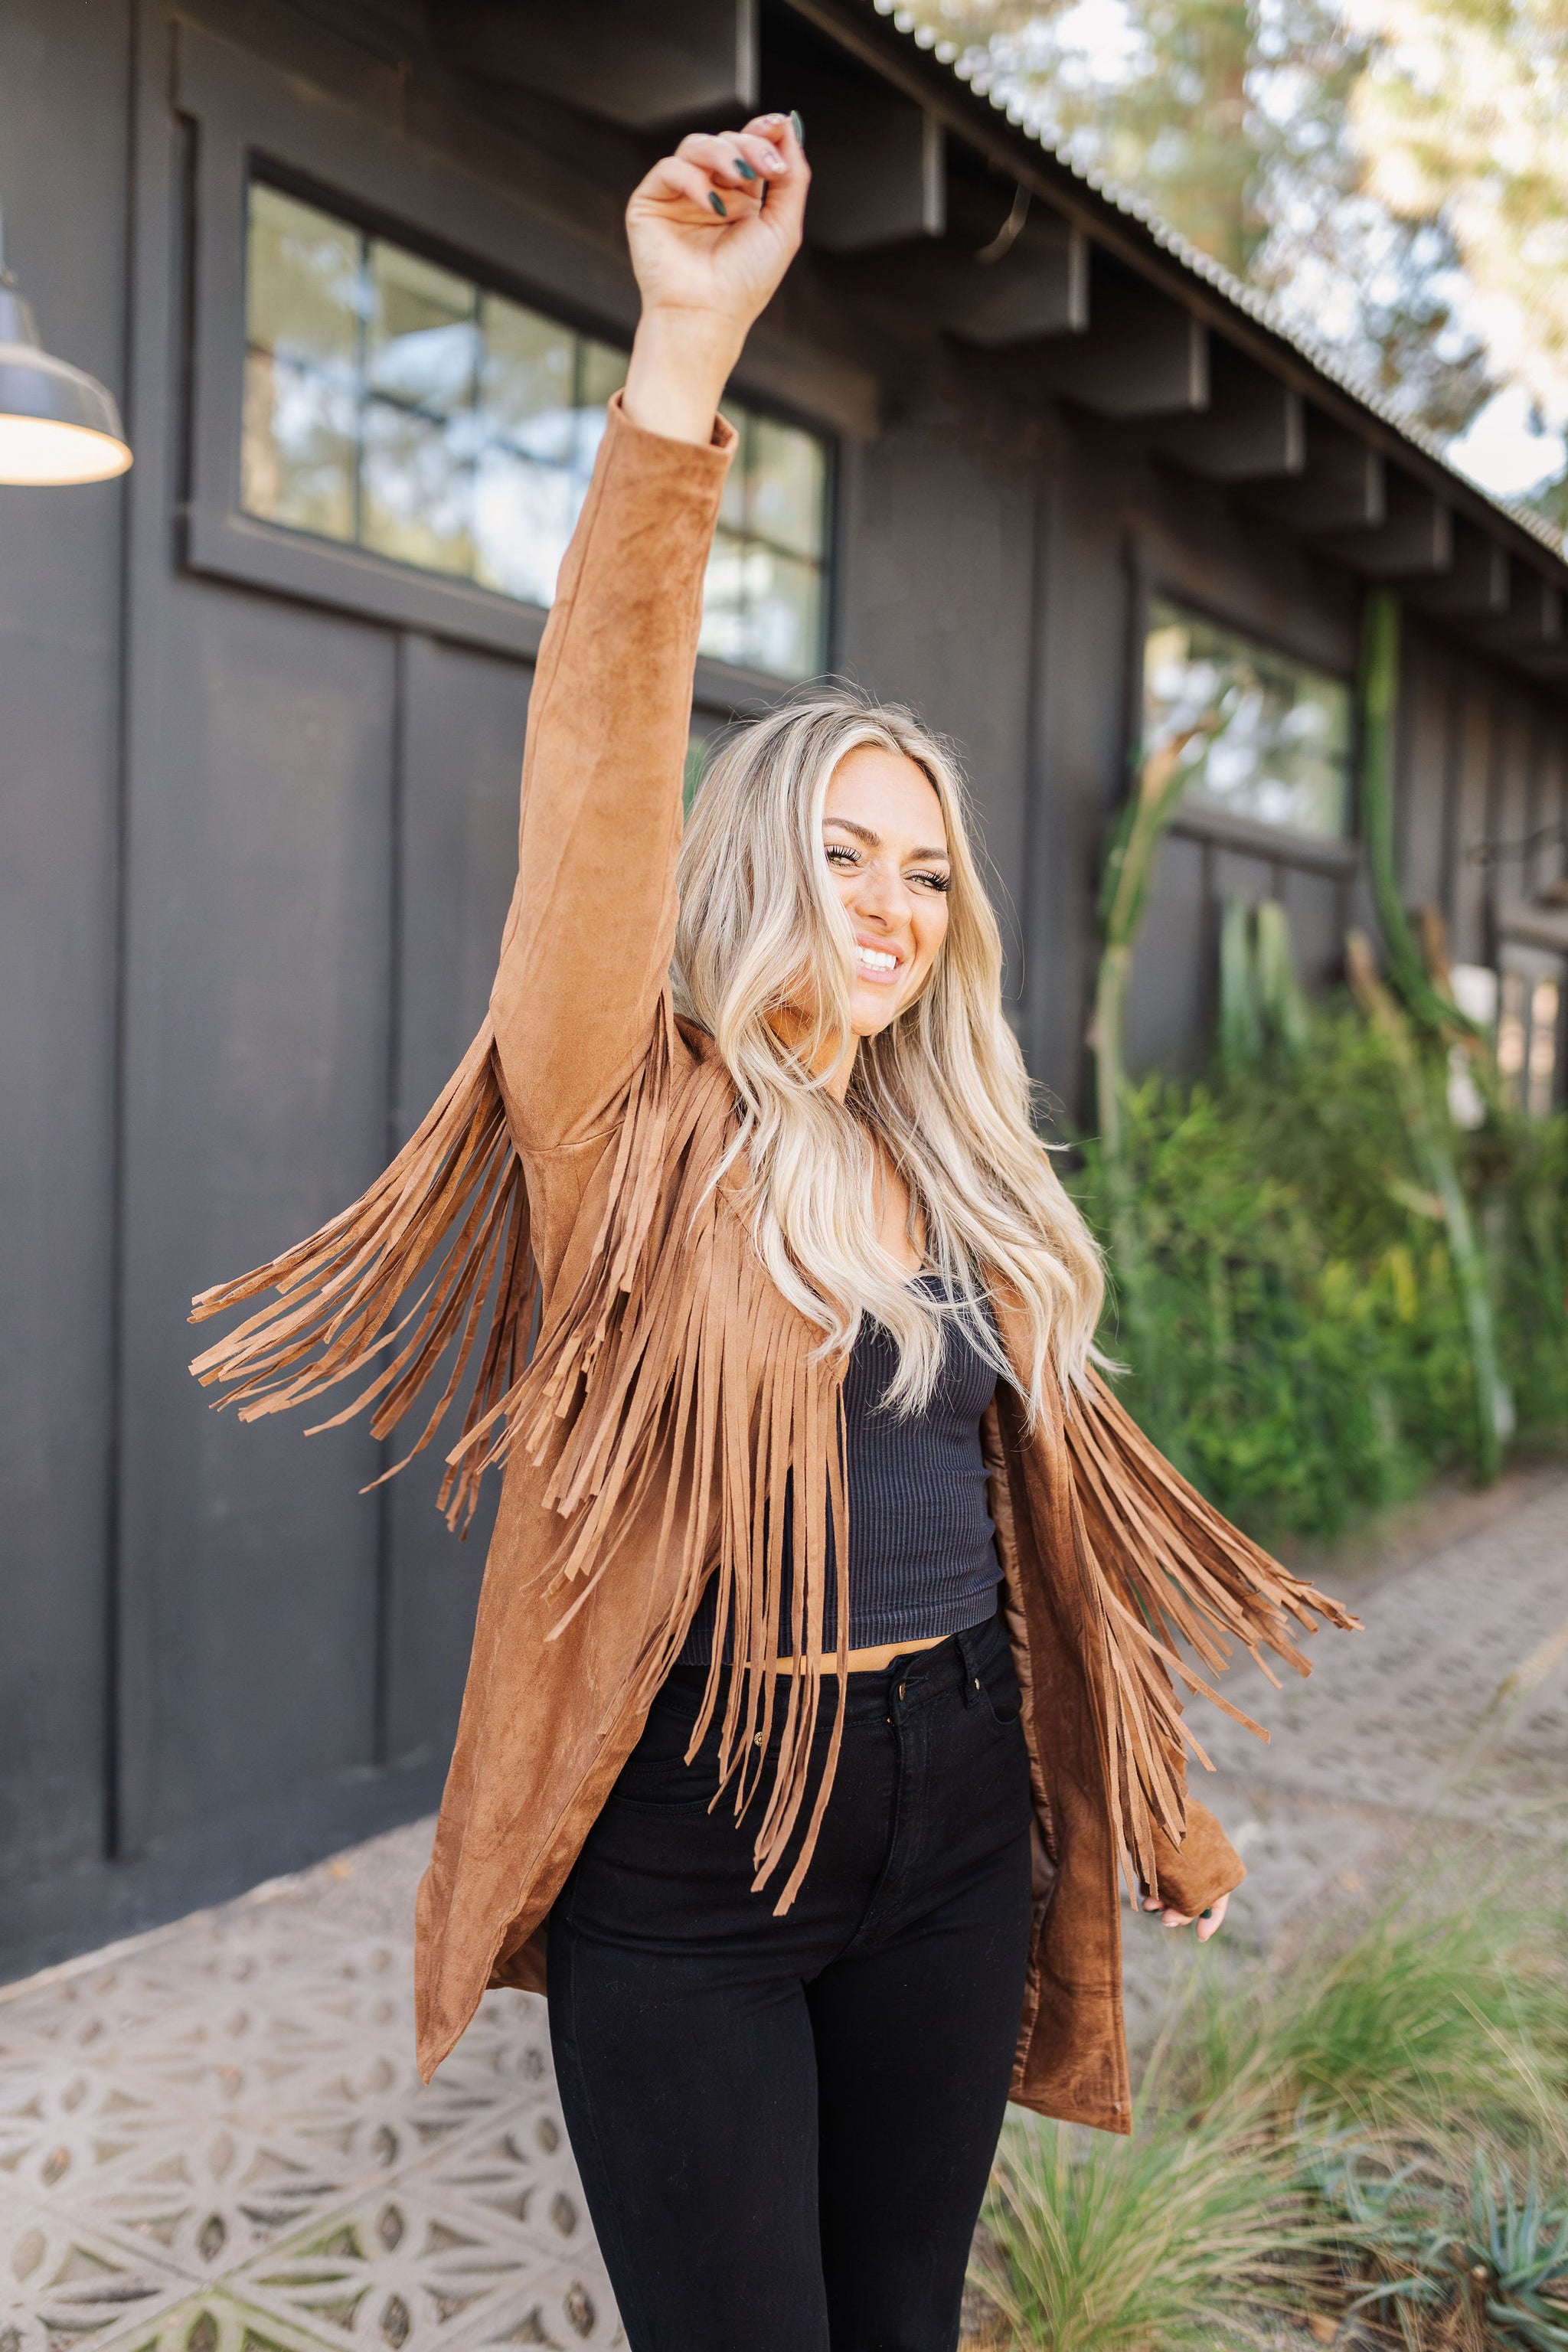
[[943, 1088]]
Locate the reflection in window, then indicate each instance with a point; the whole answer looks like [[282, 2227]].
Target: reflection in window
[[1270, 737], [1522, 1008], [400, 406]]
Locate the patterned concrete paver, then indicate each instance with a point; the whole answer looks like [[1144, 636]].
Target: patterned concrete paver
[[1444, 1722], [213, 2138]]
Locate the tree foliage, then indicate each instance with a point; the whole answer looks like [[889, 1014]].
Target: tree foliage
[[1245, 124]]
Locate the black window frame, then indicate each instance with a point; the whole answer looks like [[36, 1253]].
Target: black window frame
[[251, 122]]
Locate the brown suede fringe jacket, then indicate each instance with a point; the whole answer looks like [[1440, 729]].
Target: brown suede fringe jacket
[[567, 1174]]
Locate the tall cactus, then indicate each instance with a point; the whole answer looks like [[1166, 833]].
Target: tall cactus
[[1422, 1024]]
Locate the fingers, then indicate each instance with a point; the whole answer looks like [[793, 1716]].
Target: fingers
[[764, 164], [742, 160], [675, 180], [1208, 1924]]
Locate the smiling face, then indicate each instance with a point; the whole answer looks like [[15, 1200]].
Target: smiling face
[[886, 845]]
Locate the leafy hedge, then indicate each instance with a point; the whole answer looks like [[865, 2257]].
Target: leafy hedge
[[1284, 1296]]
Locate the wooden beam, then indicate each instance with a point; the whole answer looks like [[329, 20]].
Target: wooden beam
[[1141, 355], [1533, 621], [1414, 539], [1477, 585], [1254, 429], [645, 63], [877, 173], [1038, 287], [1341, 487]]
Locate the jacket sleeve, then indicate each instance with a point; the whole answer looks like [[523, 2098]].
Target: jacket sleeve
[[587, 942], [1204, 1866]]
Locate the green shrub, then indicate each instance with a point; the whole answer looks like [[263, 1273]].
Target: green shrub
[[1284, 1296], [1379, 2129]]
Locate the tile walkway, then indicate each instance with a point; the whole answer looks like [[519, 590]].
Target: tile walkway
[[213, 2140]]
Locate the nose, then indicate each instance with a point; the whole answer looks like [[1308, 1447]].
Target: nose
[[883, 896]]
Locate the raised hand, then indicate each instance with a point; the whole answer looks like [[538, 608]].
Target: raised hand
[[712, 228]]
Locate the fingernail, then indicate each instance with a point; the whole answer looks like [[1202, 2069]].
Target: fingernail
[[717, 201], [797, 126], [743, 168], [1209, 1913], [772, 117]]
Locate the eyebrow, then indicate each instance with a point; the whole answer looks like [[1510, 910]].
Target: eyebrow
[[873, 840]]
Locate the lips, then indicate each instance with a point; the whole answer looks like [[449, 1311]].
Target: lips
[[876, 961]]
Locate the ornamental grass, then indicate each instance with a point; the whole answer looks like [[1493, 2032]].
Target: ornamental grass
[[1367, 2146]]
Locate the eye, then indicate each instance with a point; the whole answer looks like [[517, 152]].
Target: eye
[[943, 882], [838, 853]]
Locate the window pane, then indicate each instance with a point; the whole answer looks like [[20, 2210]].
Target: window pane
[[602, 371], [1543, 1012], [787, 483], [523, 514], [297, 463], [422, 341], [416, 491], [1270, 737], [724, 601], [302, 281], [398, 405], [525, 382], [732, 505], [784, 601]]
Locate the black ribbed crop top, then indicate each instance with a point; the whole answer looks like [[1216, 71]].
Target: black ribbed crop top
[[923, 1549]]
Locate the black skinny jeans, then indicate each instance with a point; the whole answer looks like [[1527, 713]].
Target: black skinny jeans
[[784, 2125]]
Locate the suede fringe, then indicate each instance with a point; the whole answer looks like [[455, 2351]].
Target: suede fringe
[[670, 1367], [1164, 1570], [676, 1369]]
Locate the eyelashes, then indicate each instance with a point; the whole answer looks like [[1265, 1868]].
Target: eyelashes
[[837, 854]]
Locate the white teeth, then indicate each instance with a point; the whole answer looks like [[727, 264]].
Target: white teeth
[[876, 958]]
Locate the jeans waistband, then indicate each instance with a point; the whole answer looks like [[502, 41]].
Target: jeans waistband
[[953, 1664]]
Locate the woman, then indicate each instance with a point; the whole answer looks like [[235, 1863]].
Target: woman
[[812, 1489]]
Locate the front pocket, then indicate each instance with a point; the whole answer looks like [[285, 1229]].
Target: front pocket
[[999, 1690], [665, 1782]]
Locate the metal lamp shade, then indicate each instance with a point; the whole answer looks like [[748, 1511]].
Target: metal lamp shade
[[56, 424]]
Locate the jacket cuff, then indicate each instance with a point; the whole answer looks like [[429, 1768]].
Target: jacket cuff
[[1204, 1866], [701, 462]]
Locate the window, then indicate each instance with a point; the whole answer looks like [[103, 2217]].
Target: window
[[1268, 737], [1521, 1006], [395, 405]]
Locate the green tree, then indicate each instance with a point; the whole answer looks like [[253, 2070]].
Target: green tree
[[1236, 121], [1462, 111]]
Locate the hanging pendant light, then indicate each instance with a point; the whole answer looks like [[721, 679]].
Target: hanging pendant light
[[56, 424]]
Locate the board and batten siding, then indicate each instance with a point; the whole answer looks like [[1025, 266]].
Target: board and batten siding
[[258, 837]]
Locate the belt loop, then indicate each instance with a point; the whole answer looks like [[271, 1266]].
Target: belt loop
[[969, 1660]]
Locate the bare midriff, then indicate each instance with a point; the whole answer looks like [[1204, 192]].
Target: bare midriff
[[864, 1662]]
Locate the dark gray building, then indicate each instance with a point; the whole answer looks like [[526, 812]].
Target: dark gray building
[[353, 269]]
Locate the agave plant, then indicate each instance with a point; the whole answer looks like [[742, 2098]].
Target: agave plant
[[1499, 2257], [1522, 2242]]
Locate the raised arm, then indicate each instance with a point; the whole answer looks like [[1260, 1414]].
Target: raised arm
[[712, 229]]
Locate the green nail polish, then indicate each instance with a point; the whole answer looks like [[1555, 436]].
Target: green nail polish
[[797, 126], [743, 168], [717, 201]]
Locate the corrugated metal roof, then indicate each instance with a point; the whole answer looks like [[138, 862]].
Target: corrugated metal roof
[[1256, 305]]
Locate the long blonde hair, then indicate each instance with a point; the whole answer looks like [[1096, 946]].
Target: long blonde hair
[[943, 1088]]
